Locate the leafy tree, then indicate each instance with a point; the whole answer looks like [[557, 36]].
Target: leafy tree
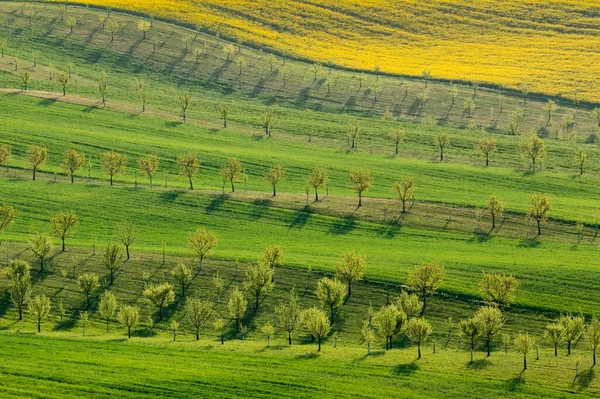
[[318, 178], [368, 335], [4, 45], [423, 97], [409, 304], [388, 321], [289, 314], [469, 329], [7, 216], [418, 330], [35, 157], [219, 326], [5, 155], [126, 233], [554, 333], [533, 149], [398, 136], [516, 118], [113, 164], [489, 321], [550, 107], [87, 283], [574, 327], [499, 289], [189, 166], [269, 331], [184, 100], [524, 343], [237, 307], [405, 190], [219, 284], [232, 171], [42, 248], [353, 133], [129, 317], [224, 110], [72, 162], [84, 319], [64, 224], [182, 274], [198, 313], [259, 281], [63, 79], [144, 27], [360, 181], [229, 50], [486, 146], [470, 106], [201, 242], [592, 336], [274, 176], [331, 293], [425, 279], [39, 308], [112, 27], [71, 23], [148, 165], [580, 159], [17, 269], [350, 268], [107, 307], [266, 119], [18, 272], [174, 326], [540, 206], [317, 324], [103, 87], [160, 295], [495, 207], [113, 259], [442, 141]]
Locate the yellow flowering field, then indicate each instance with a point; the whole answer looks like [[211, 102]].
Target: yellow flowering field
[[552, 46]]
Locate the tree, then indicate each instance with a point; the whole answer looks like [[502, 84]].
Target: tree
[[4, 45], [368, 335], [112, 27], [595, 111], [232, 171], [469, 329], [315, 68], [405, 190], [188, 166], [201, 242], [574, 327], [489, 321], [174, 326], [25, 77], [129, 317], [103, 87], [269, 331], [318, 178], [35, 157], [524, 343], [486, 146], [17, 269], [107, 307], [317, 324], [331, 293], [224, 110], [229, 50], [219, 284], [219, 326], [360, 181], [126, 233], [160, 295], [423, 97], [470, 106], [533, 149], [198, 313], [63, 79], [5, 155], [409, 304], [113, 259], [7, 216], [237, 305], [64, 224], [442, 141], [148, 165], [495, 207], [72, 162], [592, 336], [550, 107], [350, 268], [259, 281], [554, 333], [425, 279], [266, 119], [184, 100], [274, 176], [84, 319], [18, 272], [580, 158], [418, 330], [87, 283], [398, 136], [39, 308], [113, 164], [540, 206], [516, 118], [388, 321], [182, 274], [143, 96], [144, 26], [42, 248], [289, 314], [71, 23], [497, 288], [353, 133]]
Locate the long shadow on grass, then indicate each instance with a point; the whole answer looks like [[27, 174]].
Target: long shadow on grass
[[515, 383], [343, 225], [300, 218], [406, 369], [171, 195], [389, 231], [214, 205], [479, 364], [583, 380], [529, 243]]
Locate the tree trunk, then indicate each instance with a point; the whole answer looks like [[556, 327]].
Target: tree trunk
[[63, 244], [539, 227], [174, 335], [107, 320], [441, 154], [332, 314], [160, 313], [191, 184], [594, 356], [39, 325], [20, 312], [419, 350], [72, 178], [112, 279], [396, 148], [524, 362], [359, 199], [555, 349], [150, 181], [493, 220], [403, 206], [224, 123], [424, 304], [127, 251], [111, 180], [128, 332], [232, 186], [274, 191], [316, 194], [222, 338], [197, 335], [257, 303], [64, 91], [289, 337], [34, 174], [352, 138], [568, 347], [487, 159], [487, 344], [349, 288]]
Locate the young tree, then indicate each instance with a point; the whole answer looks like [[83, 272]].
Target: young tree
[[148, 165], [269, 331], [126, 233], [418, 330], [317, 324], [486, 146], [554, 333], [318, 178], [533, 149], [219, 326], [259, 281], [524, 343], [25, 77], [112, 27], [489, 322], [353, 133], [274, 176], [266, 119], [113, 164], [63, 79], [143, 97], [368, 335], [128, 317], [42, 248], [409, 304], [360, 181], [39, 308], [289, 314], [64, 224], [331, 293], [388, 321], [107, 307], [103, 87], [84, 319], [442, 141], [237, 307], [174, 326], [580, 158], [592, 336], [495, 207], [224, 110], [550, 107], [574, 327], [35, 157], [71, 23], [160, 295], [7, 216], [201, 242], [184, 100], [350, 268], [72, 162], [87, 283], [497, 288], [469, 329], [113, 259], [540, 206], [189, 166], [182, 274], [398, 136], [229, 50], [232, 171], [219, 284], [4, 45], [18, 272], [5, 156], [198, 313], [405, 190], [144, 26], [425, 279]]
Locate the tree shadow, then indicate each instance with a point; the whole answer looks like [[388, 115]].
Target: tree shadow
[[308, 356], [301, 218], [529, 243], [515, 383], [343, 225], [171, 195], [46, 102], [583, 380], [214, 205], [480, 364], [406, 369]]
